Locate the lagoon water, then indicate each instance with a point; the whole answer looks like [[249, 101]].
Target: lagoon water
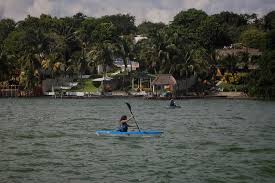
[[53, 140]]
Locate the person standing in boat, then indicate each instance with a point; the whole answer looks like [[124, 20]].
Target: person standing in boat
[[172, 103], [123, 125]]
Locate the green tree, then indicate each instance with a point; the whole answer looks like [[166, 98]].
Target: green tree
[[105, 32], [83, 61], [212, 34], [85, 32], [125, 49], [148, 28], [5, 67], [269, 20], [6, 27], [254, 38], [231, 19], [21, 43], [144, 54], [54, 64], [270, 39], [30, 75], [125, 24], [102, 54], [262, 80], [233, 24], [190, 19]]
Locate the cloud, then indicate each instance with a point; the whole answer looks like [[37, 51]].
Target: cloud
[[151, 10]]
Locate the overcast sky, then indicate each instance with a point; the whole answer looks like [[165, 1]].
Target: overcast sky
[[151, 10]]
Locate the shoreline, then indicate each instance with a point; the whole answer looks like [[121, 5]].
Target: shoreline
[[143, 97]]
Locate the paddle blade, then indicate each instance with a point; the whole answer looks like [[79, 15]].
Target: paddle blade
[[129, 106]]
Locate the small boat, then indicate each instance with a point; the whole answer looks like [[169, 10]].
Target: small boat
[[147, 133]]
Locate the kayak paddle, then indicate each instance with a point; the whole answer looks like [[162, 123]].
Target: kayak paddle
[[130, 109]]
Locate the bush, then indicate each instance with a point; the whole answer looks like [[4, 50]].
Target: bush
[[235, 78], [97, 83], [232, 88]]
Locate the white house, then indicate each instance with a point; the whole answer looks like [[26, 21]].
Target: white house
[[130, 66], [100, 69], [139, 38]]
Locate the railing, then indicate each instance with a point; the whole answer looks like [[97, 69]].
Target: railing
[[9, 91]]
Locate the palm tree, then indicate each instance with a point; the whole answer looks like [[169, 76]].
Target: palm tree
[[102, 54], [154, 54], [82, 66], [71, 68], [30, 76], [148, 56], [125, 49], [54, 64], [160, 49]]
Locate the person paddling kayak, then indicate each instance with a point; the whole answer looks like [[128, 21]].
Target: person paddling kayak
[[123, 125], [172, 103]]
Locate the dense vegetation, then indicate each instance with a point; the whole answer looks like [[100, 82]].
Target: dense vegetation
[[48, 47]]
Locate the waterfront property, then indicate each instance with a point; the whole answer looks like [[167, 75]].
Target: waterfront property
[[9, 90], [163, 83]]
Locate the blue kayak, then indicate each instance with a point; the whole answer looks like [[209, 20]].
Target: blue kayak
[[147, 133]]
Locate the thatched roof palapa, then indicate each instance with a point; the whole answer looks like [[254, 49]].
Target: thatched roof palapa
[[164, 79], [237, 49]]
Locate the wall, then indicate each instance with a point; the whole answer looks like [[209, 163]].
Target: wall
[[181, 84]]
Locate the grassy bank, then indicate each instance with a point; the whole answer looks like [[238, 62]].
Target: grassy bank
[[85, 86]]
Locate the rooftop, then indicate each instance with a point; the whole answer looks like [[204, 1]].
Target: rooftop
[[164, 79]]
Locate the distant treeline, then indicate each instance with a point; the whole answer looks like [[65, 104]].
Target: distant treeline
[[47, 47]]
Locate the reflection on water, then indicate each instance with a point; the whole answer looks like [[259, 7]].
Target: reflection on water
[[47, 140]]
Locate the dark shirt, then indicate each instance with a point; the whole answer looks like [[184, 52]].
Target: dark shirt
[[172, 103], [123, 127]]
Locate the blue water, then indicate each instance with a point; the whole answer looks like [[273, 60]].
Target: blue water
[[53, 140]]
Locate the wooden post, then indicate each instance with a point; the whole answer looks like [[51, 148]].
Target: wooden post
[[140, 83], [133, 83]]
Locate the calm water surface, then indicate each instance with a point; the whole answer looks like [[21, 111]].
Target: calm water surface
[[53, 140]]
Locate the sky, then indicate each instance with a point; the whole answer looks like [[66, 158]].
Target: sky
[[143, 10]]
